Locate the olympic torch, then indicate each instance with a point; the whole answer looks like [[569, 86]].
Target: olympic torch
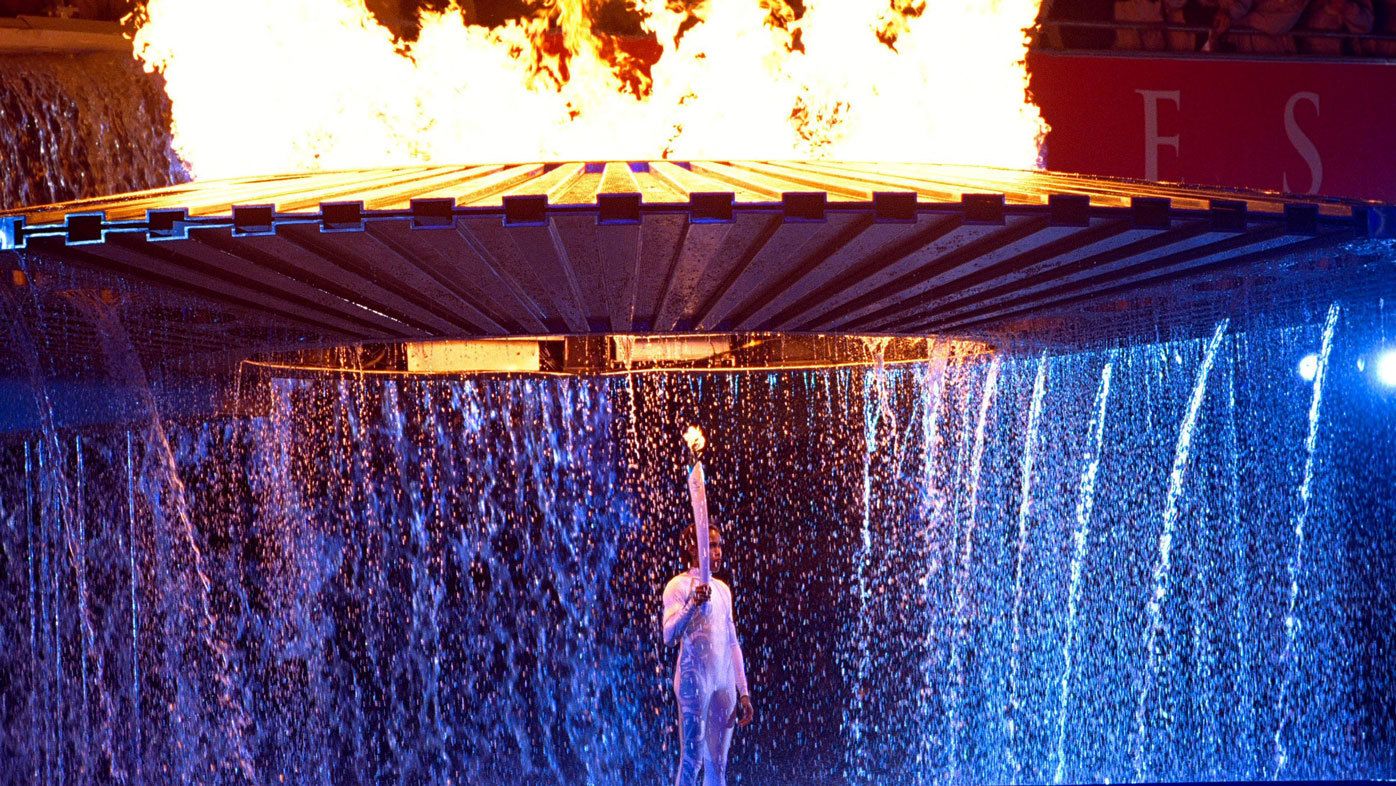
[[698, 494]]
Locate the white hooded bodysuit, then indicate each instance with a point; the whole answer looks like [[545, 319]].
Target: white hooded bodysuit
[[708, 678]]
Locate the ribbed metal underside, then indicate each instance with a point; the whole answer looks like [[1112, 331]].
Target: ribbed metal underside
[[267, 264]]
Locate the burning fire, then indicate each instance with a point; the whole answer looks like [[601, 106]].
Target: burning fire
[[265, 86], [693, 437]]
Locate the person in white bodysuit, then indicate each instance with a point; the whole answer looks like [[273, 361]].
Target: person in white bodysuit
[[710, 676]]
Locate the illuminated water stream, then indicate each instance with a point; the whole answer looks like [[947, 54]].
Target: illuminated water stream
[[944, 572]]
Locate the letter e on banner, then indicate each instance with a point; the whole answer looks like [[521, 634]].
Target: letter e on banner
[[1152, 140], [1303, 144]]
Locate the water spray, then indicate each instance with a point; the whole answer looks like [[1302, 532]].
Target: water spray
[[697, 492]]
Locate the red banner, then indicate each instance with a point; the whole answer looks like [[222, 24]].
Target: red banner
[[1304, 127]]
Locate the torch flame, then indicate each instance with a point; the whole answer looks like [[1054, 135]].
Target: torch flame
[[263, 86], [693, 437]]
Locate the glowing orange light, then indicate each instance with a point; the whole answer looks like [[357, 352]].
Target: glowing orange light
[[264, 86], [693, 437]]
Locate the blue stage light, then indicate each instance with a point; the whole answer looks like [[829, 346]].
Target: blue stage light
[[1386, 368], [1308, 367]]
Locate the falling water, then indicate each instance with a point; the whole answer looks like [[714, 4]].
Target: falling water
[[1039, 387], [456, 580], [1165, 543], [1240, 641], [76, 546], [964, 568], [84, 125], [932, 388], [138, 724], [1296, 561], [1085, 502], [879, 428], [48, 464], [37, 736], [178, 540], [930, 502]]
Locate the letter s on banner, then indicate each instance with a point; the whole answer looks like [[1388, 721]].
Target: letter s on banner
[[1302, 143], [1152, 141]]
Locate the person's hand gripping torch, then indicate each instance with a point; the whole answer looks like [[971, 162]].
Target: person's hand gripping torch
[[697, 492]]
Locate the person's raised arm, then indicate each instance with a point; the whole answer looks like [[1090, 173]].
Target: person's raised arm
[[680, 603]]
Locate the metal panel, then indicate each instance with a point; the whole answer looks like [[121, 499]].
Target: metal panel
[[585, 248]]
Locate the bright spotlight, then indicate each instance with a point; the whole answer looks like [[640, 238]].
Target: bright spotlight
[[1386, 368], [1308, 367]]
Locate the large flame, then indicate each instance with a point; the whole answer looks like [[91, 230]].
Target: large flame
[[263, 86]]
